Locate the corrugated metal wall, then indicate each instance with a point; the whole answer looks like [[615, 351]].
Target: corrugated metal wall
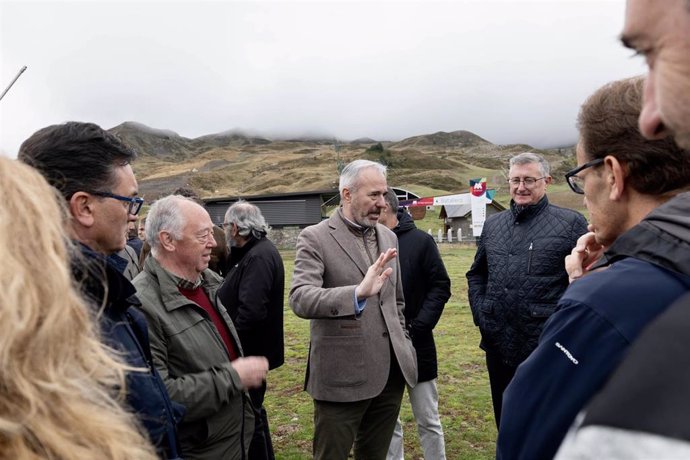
[[278, 213]]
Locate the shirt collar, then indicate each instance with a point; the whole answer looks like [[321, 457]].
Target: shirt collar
[[355, 227], [184, 283]]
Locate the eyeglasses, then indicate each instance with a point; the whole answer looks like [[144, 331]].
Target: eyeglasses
[[225, 225], [577, 183], [528, 181], [135, 203]]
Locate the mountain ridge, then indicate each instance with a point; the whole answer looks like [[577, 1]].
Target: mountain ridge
[[233, 163]]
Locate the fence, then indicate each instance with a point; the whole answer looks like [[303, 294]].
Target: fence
[[448, 237], [286, 237]]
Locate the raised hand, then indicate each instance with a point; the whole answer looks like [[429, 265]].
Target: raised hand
[[376, 275], [585, 253]]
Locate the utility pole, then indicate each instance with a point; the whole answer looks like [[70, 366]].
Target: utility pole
[[21, 71]]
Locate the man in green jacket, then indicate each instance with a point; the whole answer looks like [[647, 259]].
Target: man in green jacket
[[193, 340]]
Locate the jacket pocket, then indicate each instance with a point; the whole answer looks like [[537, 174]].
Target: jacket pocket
[[486, 305], [341, 360], [542, 310]]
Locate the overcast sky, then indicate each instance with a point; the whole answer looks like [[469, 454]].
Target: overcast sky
[[509, 71]]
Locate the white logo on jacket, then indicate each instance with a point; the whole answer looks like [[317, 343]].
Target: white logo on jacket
[[567, 353]]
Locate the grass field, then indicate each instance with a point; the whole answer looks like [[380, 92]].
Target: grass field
[[464, 399]]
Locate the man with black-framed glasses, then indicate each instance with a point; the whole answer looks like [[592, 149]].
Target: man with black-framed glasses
[[624, 179], [90, 168], [518, 276], [643, 410]]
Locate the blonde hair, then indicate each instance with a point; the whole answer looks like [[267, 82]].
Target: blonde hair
[[59, 396]]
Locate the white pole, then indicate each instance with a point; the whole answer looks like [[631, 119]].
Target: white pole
[[21, 71]]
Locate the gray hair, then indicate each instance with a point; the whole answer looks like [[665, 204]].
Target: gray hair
[[350, 175], [528, 158], [165, 214], [392, 200], [248, 219]]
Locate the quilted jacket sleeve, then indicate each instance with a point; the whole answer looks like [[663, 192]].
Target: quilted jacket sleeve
[[477, 278]]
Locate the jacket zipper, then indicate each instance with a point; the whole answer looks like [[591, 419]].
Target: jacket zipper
[[529, 258]]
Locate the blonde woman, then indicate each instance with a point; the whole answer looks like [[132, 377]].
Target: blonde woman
[[57, 397]]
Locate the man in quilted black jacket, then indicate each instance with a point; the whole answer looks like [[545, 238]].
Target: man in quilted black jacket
[[518, 273]]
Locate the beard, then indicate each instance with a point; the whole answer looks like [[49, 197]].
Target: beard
[[367, 222]]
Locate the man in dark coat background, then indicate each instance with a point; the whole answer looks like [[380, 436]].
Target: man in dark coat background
[[253, 292], [426, 286], [518, 273]]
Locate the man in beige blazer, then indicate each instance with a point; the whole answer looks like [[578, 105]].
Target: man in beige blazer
[[347, 282]]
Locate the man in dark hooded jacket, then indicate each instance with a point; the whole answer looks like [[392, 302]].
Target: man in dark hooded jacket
[[427, 289]]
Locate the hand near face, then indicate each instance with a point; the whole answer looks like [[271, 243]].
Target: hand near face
[[584, 254], [252, 370], [376, 275]]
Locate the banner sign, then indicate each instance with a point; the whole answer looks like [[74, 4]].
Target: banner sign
[[478, 201], [478, 197]]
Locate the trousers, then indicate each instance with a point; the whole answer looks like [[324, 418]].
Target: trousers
[[368, 424], [500, 375], [424, 402]]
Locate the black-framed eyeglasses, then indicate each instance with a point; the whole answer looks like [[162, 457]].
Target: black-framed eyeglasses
[[135, 202], [528, 181], [577, 183]]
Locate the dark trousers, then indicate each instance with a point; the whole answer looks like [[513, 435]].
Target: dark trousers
[[500, 375], [367, 424], [261, 447]]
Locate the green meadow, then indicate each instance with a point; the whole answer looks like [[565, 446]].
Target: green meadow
[[464, 399]]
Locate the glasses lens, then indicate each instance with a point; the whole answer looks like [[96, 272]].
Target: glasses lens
[[577, 184], [527, 181], [135, 206]]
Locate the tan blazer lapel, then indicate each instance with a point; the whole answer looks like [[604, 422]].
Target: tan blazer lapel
[[342, 236], [385, 242]]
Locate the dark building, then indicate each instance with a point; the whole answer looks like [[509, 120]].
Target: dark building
[[299, 209]]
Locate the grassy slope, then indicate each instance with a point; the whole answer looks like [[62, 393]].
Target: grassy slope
[[282, 167], [465, 402]]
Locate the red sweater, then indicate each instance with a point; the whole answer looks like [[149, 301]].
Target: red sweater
[[198, 296]]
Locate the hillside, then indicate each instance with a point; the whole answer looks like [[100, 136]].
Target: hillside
[[233, 163]]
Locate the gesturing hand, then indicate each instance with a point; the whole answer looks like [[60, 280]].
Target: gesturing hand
[[376, 275], [584, 254]]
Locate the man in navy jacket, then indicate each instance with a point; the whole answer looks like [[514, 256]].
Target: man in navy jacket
[[644, 409], [91, 169], [625, 179]]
